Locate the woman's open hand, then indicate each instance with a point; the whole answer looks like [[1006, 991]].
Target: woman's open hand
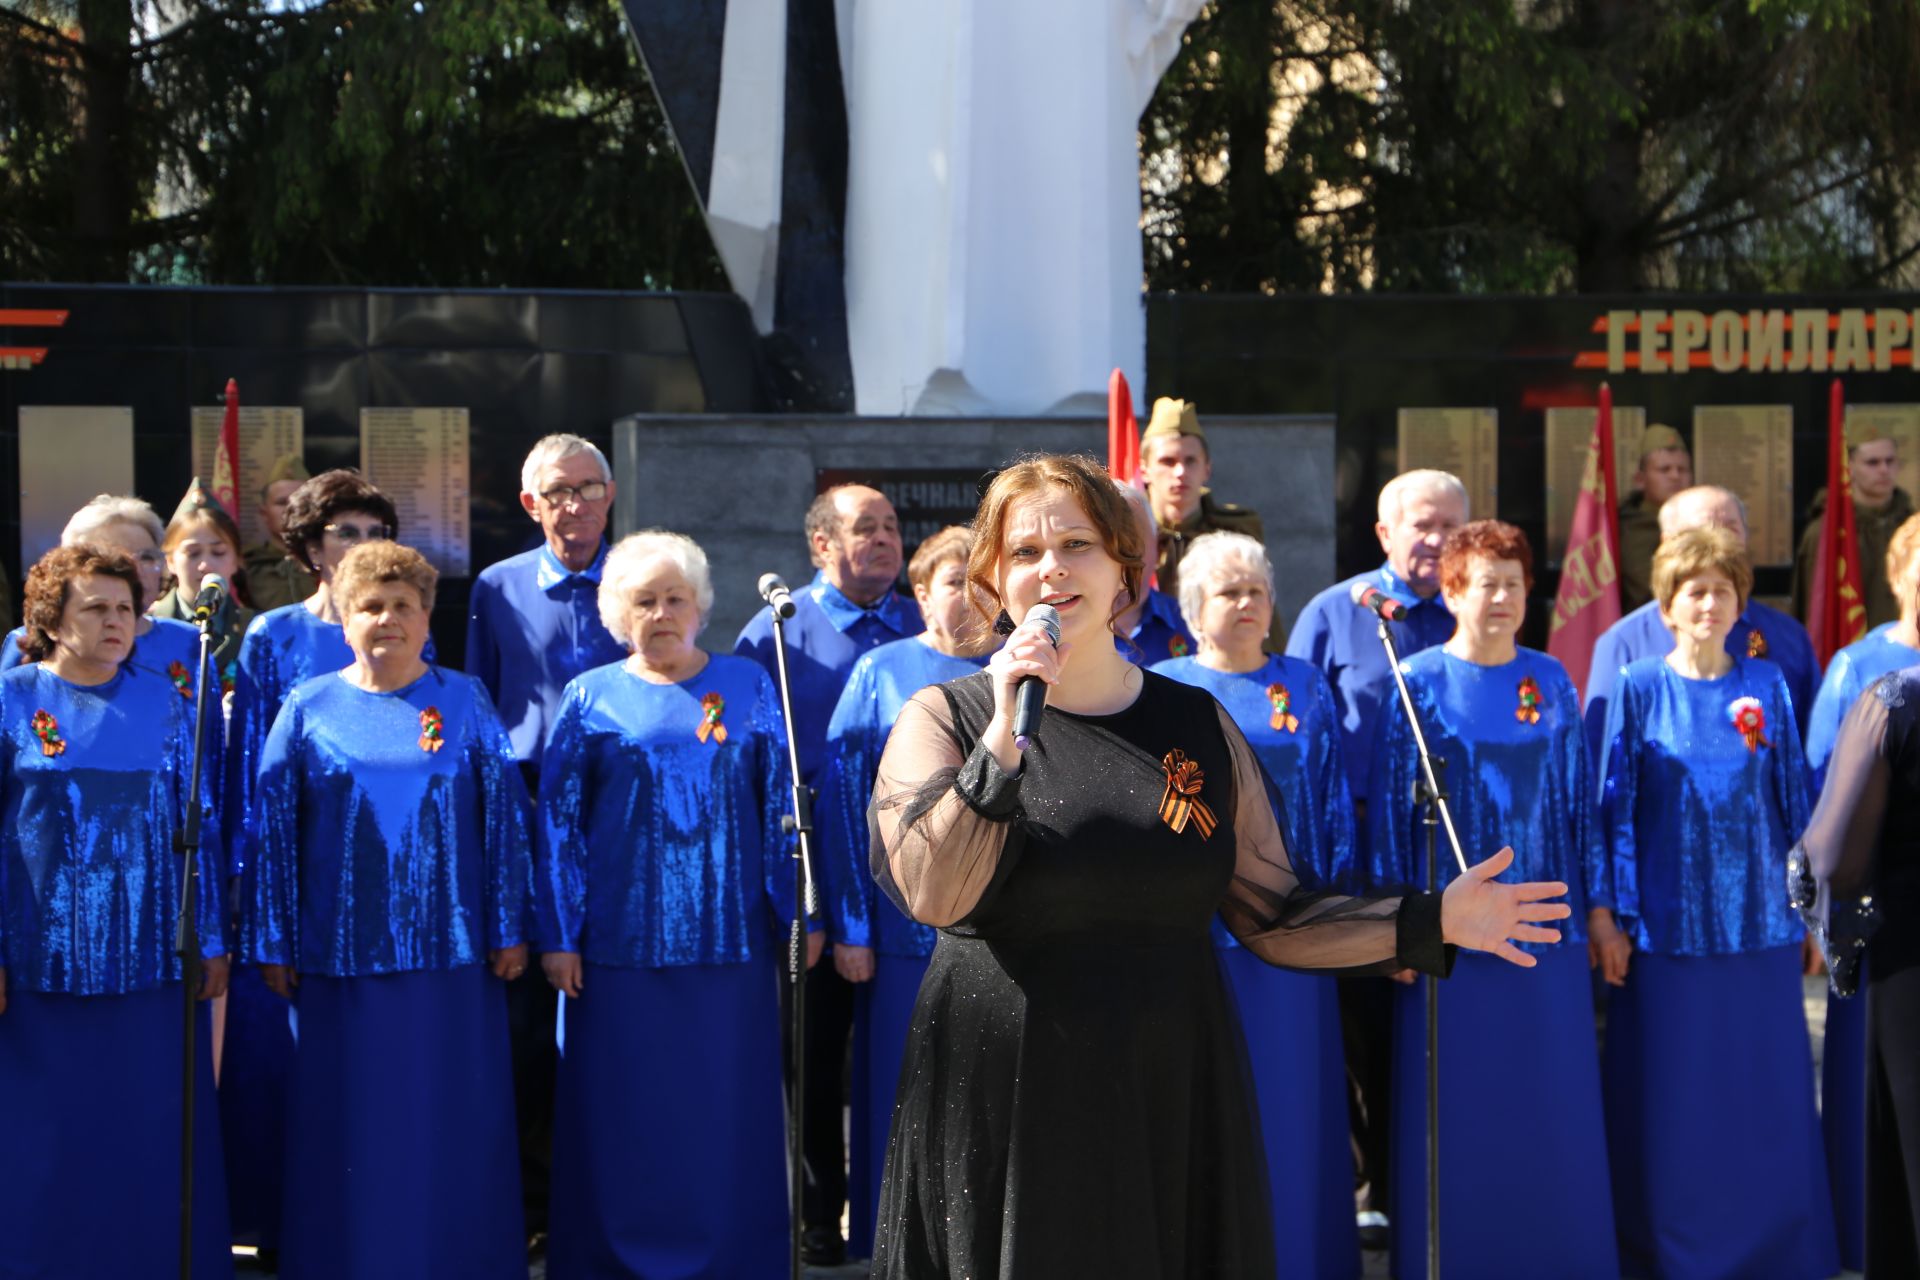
[[1481, 914], [1608, 948]]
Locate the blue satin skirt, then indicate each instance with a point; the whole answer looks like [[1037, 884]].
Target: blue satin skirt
[[90, 1127], [1523, 1150], [1843, 1120], [401, 1158], [1718, 1170], [882, 1012], [668, 1144], [256, 1063], [1292, 1026]]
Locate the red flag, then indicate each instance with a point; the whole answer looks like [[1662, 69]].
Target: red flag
[[1836, 606], [226, 454], [1589, 598], [1123, 432]]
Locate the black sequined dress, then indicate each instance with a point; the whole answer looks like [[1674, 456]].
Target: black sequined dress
[[1075, 1098]]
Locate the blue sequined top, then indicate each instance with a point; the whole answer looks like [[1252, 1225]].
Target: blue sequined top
[[1848, 675], [167, 642], [881, 682], [659, 846], [1516, 774], [89, 879], [1696, 821], [282, 649], [375, 853]]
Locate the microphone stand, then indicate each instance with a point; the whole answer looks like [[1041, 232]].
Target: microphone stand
[[1429, 792], [799, 822], [186, 943]]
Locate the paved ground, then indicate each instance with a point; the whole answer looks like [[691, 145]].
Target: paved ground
[[1374, 1264]]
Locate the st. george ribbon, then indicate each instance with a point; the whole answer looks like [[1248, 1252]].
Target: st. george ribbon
[[1378, 602], [1031, 696]]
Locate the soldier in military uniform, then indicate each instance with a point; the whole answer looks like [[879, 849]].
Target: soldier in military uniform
[[1879, 508], [1665, 469], [274, 577], [1176, 467]]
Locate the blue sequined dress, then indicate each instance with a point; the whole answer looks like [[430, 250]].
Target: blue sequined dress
[[662, 864], [1292, 1020], [1843, 1058], [90, 1037], [1715, 1148], [858, 915], [389, 858], [1518, 1042]]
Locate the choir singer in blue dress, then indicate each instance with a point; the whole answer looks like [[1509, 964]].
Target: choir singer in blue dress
[[386, 896], [663, 895], [1715, 1148], [873, 943], [1291, 1020], [1507, 722], [95, 755]]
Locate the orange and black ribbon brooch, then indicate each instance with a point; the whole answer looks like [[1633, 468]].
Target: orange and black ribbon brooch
[[712, 707], [181, 677], [1756, 644], [1282, 700], [1529, 709], [1751, 720], [1182, 802], [47, 729], [431, 727]]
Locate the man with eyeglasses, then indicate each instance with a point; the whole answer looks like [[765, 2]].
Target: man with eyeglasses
[[533, 625]]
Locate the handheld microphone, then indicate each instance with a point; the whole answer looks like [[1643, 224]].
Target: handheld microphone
[[213, 589], [775, 593], [1030, 697], [1377, 601]]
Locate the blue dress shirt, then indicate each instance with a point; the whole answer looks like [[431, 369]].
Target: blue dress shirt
[[1161, 634], [1339, 637], [532, 626], [1761, 631], [1848, 675]]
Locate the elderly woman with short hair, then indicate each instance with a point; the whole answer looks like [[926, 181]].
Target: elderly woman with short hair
[[1291, 1020], [95, 755], [662, 892], [386, 896], [1714, 1145]]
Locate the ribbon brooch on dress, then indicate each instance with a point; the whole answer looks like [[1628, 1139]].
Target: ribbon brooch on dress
[[1751, 720], [181, 677], [712, 707], [1182, 801], [1178, 647], [1756, 644], [1282, 700], [47, 729], [431, 726], [1529, 710]]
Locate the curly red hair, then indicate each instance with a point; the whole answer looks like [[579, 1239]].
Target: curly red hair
[[1494, 539]]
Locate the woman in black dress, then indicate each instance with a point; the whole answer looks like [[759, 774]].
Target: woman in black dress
[[1074, 1100], [1855, 876]]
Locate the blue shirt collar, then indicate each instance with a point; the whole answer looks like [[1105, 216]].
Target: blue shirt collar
[[1391, 583], [549, 573], [890, 610], [1160, 605]]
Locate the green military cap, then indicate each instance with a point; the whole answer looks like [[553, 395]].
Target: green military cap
[[1862, 430], [198, 497], [1660, 436], [289, 466], [1173, 417]]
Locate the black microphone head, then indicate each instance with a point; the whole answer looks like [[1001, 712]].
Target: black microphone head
[[1049, 619]]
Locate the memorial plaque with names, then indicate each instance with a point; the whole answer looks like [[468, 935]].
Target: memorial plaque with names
[[69, 454], [419, 459], [1902, 423], [1465, 442], [267, 434], [1748, 448], [1569, 431]]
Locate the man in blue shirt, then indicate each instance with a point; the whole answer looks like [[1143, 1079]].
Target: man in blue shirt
[[1416, 513], [534, 624], [1761, 631], [848, 608]]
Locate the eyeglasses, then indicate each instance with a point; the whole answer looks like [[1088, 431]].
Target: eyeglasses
[[561, 494], [349, 535]]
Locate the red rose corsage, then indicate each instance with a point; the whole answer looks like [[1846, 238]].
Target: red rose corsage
[[1182, 803], [1282, 700], [47, 729], [1750, 718], [431, 727], [1529, 709], [712, 707], [181, 677]]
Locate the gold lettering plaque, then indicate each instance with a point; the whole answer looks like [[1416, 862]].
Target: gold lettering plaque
[[1568, 431], [1748, 448], [68, 455], [1465, 442], [267, 434], [419, 459]]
